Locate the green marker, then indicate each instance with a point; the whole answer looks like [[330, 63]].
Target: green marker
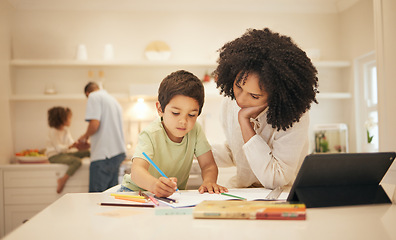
[[229, 195]]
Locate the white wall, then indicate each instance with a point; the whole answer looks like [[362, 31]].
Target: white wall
[[356, 38], [385, 20], [357, 31], [191, 35], [6, 146]]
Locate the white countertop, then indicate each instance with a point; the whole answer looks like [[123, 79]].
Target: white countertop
[[78, 216], [23, 166]]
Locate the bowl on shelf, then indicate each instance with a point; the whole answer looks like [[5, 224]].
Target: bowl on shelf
[[157, 51], [32, 159]]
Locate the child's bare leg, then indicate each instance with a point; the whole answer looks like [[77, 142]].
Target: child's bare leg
[[61, 183]]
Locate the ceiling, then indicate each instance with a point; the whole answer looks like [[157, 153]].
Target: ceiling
[[308, 6]]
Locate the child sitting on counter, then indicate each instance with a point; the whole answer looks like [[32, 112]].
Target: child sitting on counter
[[172, 140], [60, 147]]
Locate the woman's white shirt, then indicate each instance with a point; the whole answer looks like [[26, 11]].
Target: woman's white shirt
[[270, 158]]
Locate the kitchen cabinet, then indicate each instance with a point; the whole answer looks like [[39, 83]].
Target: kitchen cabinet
[[26, 189]]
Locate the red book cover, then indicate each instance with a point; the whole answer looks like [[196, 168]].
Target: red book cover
[[282, 214]]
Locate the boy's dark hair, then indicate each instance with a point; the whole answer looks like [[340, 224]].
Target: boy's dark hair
[[181, 83], [286, 73], [57, 116]]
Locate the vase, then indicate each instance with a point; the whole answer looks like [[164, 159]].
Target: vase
[[369, 147]]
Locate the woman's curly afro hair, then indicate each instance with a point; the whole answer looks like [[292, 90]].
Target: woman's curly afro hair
[[286, 73]]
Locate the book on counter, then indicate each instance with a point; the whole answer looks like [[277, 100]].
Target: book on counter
[[234, 209]]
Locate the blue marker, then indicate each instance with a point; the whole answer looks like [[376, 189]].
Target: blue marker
[[156, 167]]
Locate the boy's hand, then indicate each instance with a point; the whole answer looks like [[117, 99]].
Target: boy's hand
[[165, 187], [211, 187]]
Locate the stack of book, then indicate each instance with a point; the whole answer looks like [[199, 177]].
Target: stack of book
[[250, 210]]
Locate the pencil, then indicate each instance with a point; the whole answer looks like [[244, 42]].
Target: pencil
[[126, 205], [143, 195], [168, 200], [151, 198], [126, 195], [154, 200], [131, 199], [156, 167], [229, 195]]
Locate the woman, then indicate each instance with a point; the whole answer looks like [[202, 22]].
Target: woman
[[270, 84]]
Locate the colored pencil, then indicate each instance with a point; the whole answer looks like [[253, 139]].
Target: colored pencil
[[229, 195], [126, 205], [168, 200], [143, 195], [156, 167], [126, 195], [131, 199], [150, 197], [154, 200]]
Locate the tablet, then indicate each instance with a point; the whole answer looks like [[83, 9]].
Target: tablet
[[340, 179]]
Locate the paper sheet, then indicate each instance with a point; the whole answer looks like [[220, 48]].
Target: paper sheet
[[192, 198]]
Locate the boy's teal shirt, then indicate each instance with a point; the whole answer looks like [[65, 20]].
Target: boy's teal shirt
[[174, 159]]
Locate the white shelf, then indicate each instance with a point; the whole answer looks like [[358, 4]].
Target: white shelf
[[39, 97], [211, 91], [334, 95], [136, 63], [332, 64], [102, 63], [51, 97], [119, 96]]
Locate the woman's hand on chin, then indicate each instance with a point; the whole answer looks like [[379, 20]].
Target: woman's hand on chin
[[251, 112]]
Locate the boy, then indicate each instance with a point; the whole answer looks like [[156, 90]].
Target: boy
[[173, 140]]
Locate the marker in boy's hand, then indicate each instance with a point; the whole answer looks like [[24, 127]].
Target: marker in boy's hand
[[165, 187], [174, 183]]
